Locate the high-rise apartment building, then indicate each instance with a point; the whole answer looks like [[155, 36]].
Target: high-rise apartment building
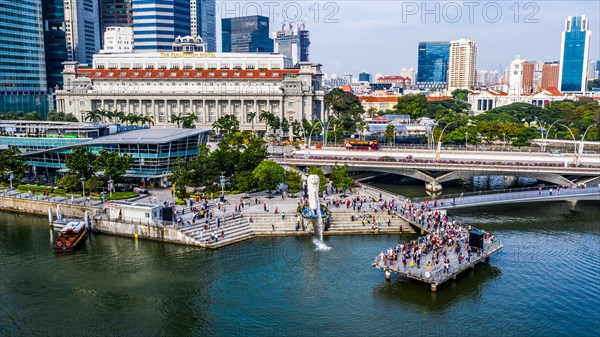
[[550, 72], [528, 70], [53, 14], [462, 64], [22, 62], [117, 40], [574, 54], [433, 64], [203, 22], [293, 42], [82, 29], [115, 13], [247, 34], [156, 23]]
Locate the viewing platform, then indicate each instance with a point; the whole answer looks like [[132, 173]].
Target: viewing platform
[[437, 276]]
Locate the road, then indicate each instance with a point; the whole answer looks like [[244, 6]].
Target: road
[[457, 155]]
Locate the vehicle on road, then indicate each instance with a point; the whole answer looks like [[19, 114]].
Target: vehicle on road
[[555, 153]]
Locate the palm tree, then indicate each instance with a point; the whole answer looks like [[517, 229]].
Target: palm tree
[[92, 115], [120, 115], [147, 120], [265, 116], [251, 116], [177, 119], [189, 120]]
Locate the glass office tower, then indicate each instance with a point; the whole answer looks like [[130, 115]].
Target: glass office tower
[[574, 54], [433, 64], [22, 61], [247, 34]]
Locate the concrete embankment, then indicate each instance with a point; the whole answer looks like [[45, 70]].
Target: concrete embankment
[[144, 231], [31, 206]]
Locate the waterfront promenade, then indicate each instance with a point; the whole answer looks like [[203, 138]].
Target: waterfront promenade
[[229, 223]]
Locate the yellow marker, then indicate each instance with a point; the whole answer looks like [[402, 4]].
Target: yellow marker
[[135, 236]]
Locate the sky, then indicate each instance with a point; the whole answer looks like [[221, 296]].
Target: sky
[[381, 36]]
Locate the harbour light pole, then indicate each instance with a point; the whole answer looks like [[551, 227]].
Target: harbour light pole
[[439, 144]]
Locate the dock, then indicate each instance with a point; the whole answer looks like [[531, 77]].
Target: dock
[[436, 275]]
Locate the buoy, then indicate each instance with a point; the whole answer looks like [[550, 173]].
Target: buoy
[[427, 274], [135, 236]]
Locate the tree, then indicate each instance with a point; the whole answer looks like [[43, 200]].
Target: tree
[[593, 84], [147, 120], [227, 124], [93, 115], [413, 105], [346, 107], [70, 182], [524, 137], [296, 128], [244, 181], [112, 165], [188, 121], [177, 119], [460, 94], [269, 175], [340, 178], [266, 117], [251, 116], [92, 184], [12, 161], [80, 162], [285, 126], [390, 133], [293, 180], [181, 175], [317, 170]]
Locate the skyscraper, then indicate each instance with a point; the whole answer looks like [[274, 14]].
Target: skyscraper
[[82, 30], [203, 22], [115, 13], [550, 72], [433, 64], [292, 42], [574, 54], [462, 64], [246, 34], [364, 77], [23, 70], [53, 13], [156, 23], [528, 70]]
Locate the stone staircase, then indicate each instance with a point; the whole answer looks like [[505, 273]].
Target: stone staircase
[[236, 230], [273, 224], [340, 223]]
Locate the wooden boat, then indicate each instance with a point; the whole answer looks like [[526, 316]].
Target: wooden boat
[[72, 235]]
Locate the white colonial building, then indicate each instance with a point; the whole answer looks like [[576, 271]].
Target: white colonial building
[[488, 99], [208, 85]]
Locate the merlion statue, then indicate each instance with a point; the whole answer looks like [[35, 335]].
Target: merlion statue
[[312, 183]]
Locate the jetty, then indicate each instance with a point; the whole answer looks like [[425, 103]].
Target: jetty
[[437, 275]]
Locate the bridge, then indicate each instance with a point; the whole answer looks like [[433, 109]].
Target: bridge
[[509, 196], [435, 168]]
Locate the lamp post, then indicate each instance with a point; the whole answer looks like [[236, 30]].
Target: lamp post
[[326, 130], [466, 139], [110, 187], [83, 186], [580, 152], [310, 135], [544, 139], [575, 160], [10, 178], [222, 182], [504, 140], [439, 144]]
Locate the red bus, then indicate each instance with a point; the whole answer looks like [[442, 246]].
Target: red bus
[[371, 145]]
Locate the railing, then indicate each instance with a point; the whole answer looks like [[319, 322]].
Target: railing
[[32, 196], [147, 222], [471, 198], [388, 160]]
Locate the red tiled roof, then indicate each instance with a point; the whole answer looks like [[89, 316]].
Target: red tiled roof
[[378, 99], [439, 98], [186, 73], [346, 88], [386, 78], [552, 91]]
